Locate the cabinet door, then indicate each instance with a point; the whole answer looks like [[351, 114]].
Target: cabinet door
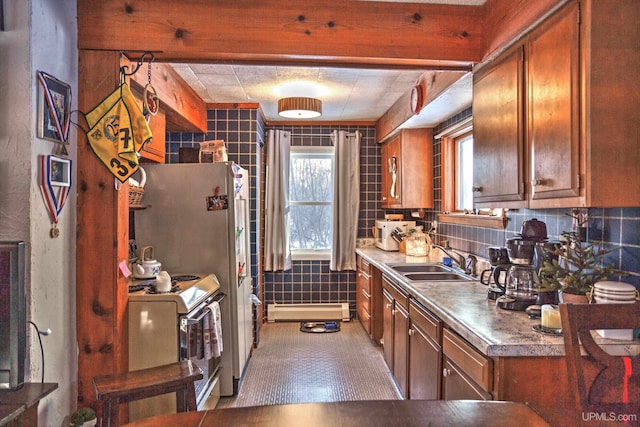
[[457, 386], [391, 172], [401, 349], [425, 354], [387, 328], [498, 129], [553, 107]]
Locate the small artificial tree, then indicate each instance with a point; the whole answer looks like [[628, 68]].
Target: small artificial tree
[[575, 266]]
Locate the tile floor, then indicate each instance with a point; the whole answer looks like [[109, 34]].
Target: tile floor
[[290, 366]]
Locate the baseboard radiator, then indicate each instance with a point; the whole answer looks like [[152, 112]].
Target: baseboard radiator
[[301, 312]]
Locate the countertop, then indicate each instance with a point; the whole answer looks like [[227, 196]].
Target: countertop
[[465, 308]]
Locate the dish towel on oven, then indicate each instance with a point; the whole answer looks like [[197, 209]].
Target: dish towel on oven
[[212, 332]]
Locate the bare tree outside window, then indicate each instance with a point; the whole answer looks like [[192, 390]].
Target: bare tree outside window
[[310, 198]]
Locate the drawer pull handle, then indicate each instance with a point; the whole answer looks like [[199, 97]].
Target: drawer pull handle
[[476, 189], [446, 372], [412, 332], [393, 312], [388, 305]]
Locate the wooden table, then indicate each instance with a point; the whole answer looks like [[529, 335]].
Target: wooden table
[[20, 407], [360, 413]]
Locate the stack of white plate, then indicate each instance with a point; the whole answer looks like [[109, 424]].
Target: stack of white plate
[[615, 293]]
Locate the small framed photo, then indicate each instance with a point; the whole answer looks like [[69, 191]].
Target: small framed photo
[[59, 171], [54, 105]]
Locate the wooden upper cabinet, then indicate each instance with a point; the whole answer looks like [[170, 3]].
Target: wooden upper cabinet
[[553, 105], [498, 158], [581, 75], [407, 170]]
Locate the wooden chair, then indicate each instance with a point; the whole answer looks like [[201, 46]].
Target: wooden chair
[[603, 383], [176, 377]]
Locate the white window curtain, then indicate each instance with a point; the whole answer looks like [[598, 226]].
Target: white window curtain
[[346, 199], [277, 252]]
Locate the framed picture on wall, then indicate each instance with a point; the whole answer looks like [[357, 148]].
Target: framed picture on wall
[[54, 107], [59, 171]]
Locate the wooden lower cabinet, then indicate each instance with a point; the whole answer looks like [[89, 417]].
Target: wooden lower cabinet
[[396, 334], [369, 298], [456, 385], [401, 348], [425, 354], [467, 373], [387, 332]]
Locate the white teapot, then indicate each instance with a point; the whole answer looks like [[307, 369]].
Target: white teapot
[[147, 267]]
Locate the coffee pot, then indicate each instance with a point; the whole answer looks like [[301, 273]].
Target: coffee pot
[[521, 287]]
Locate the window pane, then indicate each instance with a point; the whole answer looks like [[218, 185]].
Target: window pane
[[310, 178], [310, 226], [310, 198], [464, 190]]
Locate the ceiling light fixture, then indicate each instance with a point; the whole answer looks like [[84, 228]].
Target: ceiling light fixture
[[299, 108]]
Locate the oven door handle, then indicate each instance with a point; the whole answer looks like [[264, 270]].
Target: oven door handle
[[188, 321]]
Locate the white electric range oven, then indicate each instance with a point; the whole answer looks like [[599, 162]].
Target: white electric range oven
[[168, 327]]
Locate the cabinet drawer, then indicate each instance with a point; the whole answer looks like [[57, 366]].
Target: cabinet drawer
[[365, 300], [474, 364], [424, 320], [365, 319], [400, 296]]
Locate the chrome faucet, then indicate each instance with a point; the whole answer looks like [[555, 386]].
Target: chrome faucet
[[468, 264], [456, 257]]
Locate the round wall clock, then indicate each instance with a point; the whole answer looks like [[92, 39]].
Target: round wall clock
[[416, 99]]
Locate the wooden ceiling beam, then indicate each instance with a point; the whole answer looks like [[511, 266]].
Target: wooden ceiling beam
[[327, 32]]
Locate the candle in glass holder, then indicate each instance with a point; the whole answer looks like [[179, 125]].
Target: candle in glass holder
[[551, 317]]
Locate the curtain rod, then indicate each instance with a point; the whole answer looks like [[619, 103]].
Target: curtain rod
[[310, 134]]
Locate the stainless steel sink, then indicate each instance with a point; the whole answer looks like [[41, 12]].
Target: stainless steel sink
[[420, 268], [436, 276]]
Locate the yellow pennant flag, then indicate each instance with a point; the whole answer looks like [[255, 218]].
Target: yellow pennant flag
[[117, 132]]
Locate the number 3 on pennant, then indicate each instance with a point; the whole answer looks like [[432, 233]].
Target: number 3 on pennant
[[118, 167]]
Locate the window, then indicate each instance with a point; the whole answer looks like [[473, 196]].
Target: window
[[310, 202], [457, 180], [464, 173]]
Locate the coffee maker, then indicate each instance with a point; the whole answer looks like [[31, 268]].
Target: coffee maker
[[491, 277], [521, 283]]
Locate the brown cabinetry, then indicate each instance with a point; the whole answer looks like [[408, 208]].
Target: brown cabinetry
[[396, 333], [407, 170], [466, 374], [425, 353], [555, 121], [369, 298], [498, 133]]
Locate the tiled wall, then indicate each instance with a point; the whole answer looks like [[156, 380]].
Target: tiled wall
[[312, 281], [618, 228]]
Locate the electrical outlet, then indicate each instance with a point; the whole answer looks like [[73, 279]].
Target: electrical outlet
[[434, 226]]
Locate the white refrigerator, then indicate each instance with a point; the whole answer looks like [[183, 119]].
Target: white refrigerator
[[197, 221]]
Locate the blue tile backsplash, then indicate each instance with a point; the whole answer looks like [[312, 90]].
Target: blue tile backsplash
[[244, 131]]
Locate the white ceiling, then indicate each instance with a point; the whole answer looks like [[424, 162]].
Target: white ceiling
[[347, 94]]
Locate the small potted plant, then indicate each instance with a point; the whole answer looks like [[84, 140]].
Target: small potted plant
[[85, 417], [574, 267]]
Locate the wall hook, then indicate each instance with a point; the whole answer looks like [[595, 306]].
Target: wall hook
[[139, 64]]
